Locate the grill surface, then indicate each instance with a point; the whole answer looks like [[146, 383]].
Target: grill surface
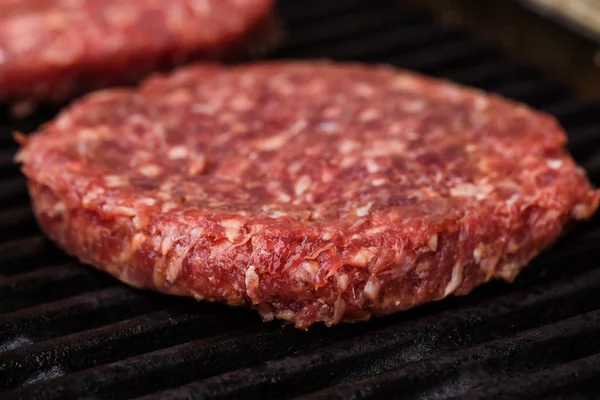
[[68, 331]]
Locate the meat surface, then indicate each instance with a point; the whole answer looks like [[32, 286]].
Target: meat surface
[[51, 50], [309, 191]]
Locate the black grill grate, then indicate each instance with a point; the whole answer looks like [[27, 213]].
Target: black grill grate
[[68, 331]]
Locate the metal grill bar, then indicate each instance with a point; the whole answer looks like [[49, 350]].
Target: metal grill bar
[[381, 350], [113, 342], [61, 317], [178, 364], [46, 284], [574, 380], [450, 373]]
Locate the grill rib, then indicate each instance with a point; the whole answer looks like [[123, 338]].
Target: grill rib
[[378, 351]]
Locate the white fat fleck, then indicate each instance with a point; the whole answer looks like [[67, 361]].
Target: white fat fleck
[[372, 288], [206, 109], [481, 103], [326, 235], [375, 231], [512, 247], [88, 134], [168, 206], [166, 245], [513, 199], [198, 165], [372, 166], [302, 185], [284, 197], [478, 253], [272, 142], [277, 214], [414, 106], [327, 176], [232, 228], [405, 82], [59, 208], [364, 210], [177, 153], [298, 126], [201, 6], [115, 181], [150, 170], [433, 242], [342, 282], [581, 211], [455, 280], [385, 148], [479, 192], [173, 270], [241, 103], [554, 164], [508, 271], [412, 135], [347, 145], [328, 126], [294, 166], [147, 201], [395, 128], [347, 162], [364, 90], [361, 258], [137, 241], [378, 182], [251, 278], [310, 267], [369, 115], [119, 210]]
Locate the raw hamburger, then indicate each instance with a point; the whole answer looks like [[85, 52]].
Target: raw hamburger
[[309, 191], [53, 49]]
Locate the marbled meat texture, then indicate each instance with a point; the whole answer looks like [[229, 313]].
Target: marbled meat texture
[[53, 49], [309, 191]]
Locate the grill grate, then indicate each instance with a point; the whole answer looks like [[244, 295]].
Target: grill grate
[[69, 331]]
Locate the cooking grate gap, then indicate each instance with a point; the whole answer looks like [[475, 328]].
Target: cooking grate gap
[[570, 380], [369, 45], [48, 284], [7, 166], [584, 140], [16, 222], [25, 254], [487, 74], [573, 113], [85, 311], [13, 190], [311, 10], [356, 24]]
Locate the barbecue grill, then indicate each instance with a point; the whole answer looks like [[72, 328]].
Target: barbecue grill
[[67, 331]]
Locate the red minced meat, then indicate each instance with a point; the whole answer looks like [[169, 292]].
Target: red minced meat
[[310, 191]]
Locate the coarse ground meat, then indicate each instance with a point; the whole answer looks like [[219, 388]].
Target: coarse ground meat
[[310, 191], [53, 49]]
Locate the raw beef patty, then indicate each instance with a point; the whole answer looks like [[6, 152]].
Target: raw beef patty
[[51, 50], [309, 191]]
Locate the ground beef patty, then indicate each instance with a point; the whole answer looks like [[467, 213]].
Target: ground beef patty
[[309, 191], [52, 49]]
